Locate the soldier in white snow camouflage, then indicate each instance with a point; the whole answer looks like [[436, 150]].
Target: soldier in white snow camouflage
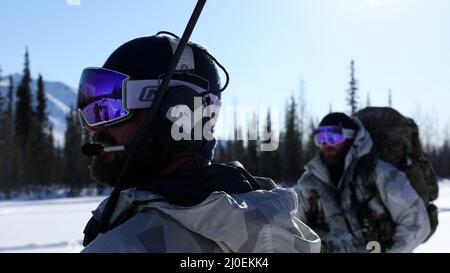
[[338, 202], [176, 200]]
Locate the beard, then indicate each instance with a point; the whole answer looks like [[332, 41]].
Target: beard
[[106, 172], [331, 156], [107, 167], [335, 155]]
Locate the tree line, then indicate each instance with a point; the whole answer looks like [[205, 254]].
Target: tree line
[[29, 159], [297, 147]]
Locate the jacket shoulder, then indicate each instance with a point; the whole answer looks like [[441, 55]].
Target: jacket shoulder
[[387, 171], [150, 231], [307, 180]]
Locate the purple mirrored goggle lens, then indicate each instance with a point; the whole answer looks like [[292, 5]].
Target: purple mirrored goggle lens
[[100, 99], [329, 134], [329, 138]]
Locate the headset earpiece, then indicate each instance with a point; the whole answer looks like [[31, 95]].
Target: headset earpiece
[[176, 117]]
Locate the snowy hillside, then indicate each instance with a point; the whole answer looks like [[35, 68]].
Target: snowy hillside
[[60, 98], [57, 225]]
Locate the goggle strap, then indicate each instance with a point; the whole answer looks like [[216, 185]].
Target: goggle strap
[[186, 61], [348, 133], [141, 93]]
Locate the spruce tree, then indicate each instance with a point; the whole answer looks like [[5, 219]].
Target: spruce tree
[[10, 98], [51, 155], [41, 140], [270, 160], [292, 146], [9, 152], [352, 98], [23, 126], [71, 174], [41, 114], [85, 178], [32, 172], [310, 148], [238, 146], [251, 153], [58, 166], [23, 105], [238, 149]]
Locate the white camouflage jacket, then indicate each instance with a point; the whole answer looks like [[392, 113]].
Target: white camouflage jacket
[[256, 221]]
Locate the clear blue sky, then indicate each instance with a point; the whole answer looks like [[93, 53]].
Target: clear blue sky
[[267, 46]]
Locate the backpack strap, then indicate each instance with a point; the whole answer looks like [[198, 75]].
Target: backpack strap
[[375, 226]]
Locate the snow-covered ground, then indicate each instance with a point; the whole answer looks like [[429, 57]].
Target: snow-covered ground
[[54, 225], [440, 241], [57, 225]]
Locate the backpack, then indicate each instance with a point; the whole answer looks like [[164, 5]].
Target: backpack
[[396, 141]]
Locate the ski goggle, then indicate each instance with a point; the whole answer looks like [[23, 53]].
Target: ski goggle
[[332, 135], [107, 97]]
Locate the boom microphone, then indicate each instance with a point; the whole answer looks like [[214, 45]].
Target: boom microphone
[[90, 149]]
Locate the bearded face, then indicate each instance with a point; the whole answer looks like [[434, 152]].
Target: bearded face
[[107, 167], [335, 154]]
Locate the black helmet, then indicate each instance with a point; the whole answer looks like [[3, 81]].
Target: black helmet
[[338, 119], [148, 58]]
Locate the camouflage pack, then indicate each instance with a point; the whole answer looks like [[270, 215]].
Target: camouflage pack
[[396, 140]]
